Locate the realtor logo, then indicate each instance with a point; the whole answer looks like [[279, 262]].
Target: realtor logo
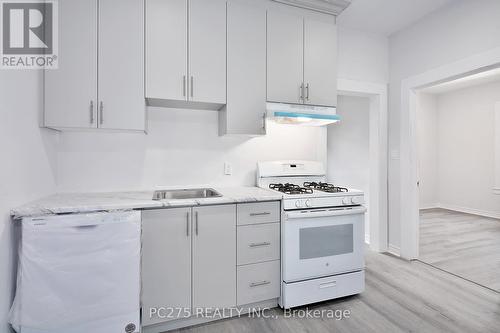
[[29, 34]]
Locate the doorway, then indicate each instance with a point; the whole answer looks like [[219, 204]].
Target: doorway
[[459, 220]]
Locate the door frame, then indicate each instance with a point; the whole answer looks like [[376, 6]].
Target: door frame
[[378, 203], [409, 210]]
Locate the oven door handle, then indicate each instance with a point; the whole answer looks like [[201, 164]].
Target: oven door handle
[[325, 213]]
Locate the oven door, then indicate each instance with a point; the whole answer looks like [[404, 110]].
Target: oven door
[[319, 243]]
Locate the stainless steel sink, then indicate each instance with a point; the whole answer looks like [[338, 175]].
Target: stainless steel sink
[[192, 193]]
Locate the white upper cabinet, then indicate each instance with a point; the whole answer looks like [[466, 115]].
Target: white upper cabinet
[[285, 57], [301, 57], [207, 51], [81, 95], [166, 49], [121, 65], [181, 73], [320, 61], [246, 69], [71, 90]]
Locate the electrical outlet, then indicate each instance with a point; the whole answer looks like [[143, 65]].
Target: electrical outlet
[[228, 169]]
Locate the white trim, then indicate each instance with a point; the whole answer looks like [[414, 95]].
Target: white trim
[[473, 211], [392, 249], [409, 216], [377, 93], [429, 206]]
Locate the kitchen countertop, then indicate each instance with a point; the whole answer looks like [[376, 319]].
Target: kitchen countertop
[[64, 203]]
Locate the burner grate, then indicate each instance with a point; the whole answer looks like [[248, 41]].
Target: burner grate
[[325, 187], [290, 188]]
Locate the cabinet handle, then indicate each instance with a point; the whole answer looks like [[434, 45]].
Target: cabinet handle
[[301, 92], [187, 224], [256, 284], [264, 122], [91, 112], [101, 113], [252, 245], [260, 214], [328, 285], [192, 86], [307, 92], [196, 216], [184, 86]]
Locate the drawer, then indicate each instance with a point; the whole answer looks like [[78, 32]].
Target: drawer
[[258, 212], [258, 282], [317, 290], [257, 243]]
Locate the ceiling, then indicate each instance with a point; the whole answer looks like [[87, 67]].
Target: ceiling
[[465, 82], [386, 16]]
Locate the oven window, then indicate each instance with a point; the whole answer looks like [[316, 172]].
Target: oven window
[[326, 241]]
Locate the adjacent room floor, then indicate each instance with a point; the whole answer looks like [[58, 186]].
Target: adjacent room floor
[[400, 296], [462, 244]]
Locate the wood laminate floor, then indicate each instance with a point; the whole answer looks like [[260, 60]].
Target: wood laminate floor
[[462, 244], [400, 296]]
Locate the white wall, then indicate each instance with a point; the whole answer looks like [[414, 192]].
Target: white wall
[[427, 135], [182, 148], [28, 167], [362, 56], [466, 149], [464, 28], [348, 147]]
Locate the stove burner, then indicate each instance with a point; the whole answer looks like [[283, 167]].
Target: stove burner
[[290, 188], [325, 187]]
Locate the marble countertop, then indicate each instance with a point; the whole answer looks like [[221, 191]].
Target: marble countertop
[[64, 203]]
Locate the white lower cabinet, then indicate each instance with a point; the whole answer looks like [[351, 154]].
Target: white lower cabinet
[[214, 257], [191, 263], [258, 282]]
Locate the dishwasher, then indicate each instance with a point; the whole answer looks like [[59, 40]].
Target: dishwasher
[[79, 273]]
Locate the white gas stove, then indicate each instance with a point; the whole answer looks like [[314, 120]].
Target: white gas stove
[[322, 233]]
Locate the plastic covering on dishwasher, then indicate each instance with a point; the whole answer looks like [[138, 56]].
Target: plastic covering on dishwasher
[[78, 269]]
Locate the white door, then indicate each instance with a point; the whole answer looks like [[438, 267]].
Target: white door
[[166, 49], [166, 263], [285, 60], [121, 63], [71, 90], [246, 68], [322, 243], [320, 60], [207, 51], [214, 257]]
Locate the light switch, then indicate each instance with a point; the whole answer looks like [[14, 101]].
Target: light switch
[[228, 168]]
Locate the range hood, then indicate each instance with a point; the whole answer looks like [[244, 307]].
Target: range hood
[[300, 114]]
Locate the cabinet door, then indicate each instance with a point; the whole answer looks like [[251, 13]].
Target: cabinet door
[[207, 51], [246, 68], [166, 262], [71, 90], [121, 63], [214, 257], [320, 63], [166, 49], [285, 58]]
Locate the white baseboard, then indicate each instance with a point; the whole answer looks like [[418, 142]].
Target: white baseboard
[[429, 206], [472, 211], [395, 250]]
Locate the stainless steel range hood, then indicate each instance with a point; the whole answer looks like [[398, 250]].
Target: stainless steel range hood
[[301, 114]]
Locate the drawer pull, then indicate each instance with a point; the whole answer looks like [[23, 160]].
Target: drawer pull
[[328, 285], [260, 214], [252, 245], [257, 284]]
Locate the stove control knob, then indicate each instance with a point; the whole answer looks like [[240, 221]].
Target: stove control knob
[[354, 201], [308, 203], [298, 204], [346, 201]]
